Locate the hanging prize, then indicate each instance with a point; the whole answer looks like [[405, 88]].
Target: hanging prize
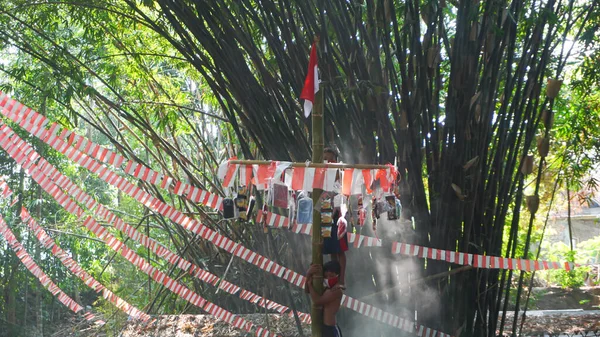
[[326, 217], [342, 224], [241, 202], [229, 209], [338, 200], [362, 212], [362, 216], [342, 227], [325, 203], [280, 195], [292, 207], [305, 205], [326, 231], [391, 207], [353, 209], [379, 208]]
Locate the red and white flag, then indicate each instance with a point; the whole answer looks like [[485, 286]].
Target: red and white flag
[[311, 83]]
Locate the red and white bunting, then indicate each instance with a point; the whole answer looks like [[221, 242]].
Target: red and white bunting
[[347, 181], [6, 191], [28, 262], [304, 318], [33, 121], [476, 260], [130, 231], [49, 244], [104, 235], [175, 215], [307, 178], [229, 178], [303, 179], [319, 180], [245, 172]]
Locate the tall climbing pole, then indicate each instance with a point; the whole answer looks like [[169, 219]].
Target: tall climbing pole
[[318, 143], [316, 313]]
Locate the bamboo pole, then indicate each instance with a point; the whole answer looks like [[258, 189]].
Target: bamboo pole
[[313, 163], [316, 313]]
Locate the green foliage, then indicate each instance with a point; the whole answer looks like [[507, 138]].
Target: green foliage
[[560, 252], [181, 93], [589, 250]]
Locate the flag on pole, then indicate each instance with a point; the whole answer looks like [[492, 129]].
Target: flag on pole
[[311, 83]]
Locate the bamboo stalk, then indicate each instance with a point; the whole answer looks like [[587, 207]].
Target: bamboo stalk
[[73, 234], [529, 289], [269, 125], [316, 313]]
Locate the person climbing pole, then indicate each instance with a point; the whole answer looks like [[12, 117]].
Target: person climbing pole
[[334, 246], [332, 296]]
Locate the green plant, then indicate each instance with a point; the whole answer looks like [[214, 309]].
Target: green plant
[[566, 279]]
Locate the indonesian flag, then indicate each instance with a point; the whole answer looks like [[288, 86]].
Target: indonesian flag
[[311, 83]]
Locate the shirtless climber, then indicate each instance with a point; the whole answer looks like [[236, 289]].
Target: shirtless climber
[[331, 298]]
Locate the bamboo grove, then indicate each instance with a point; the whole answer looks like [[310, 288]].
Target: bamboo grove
[[459, 94]]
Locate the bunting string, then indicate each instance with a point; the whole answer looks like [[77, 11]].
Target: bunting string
[[35, 124], [307, 178], [47, 242], [30, 264], [102, 212], [12, 144], [301, 179], [474, 260], [477, 260]]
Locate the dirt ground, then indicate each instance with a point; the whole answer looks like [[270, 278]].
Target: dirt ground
[[556, 325], [206, 326], [537, 323], [586, 298]]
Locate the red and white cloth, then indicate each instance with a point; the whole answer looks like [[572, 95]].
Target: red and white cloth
[[14, 110], [36, 123], [47, 242], [16, 147], [311, 83], [476, 260], [307, 178]]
